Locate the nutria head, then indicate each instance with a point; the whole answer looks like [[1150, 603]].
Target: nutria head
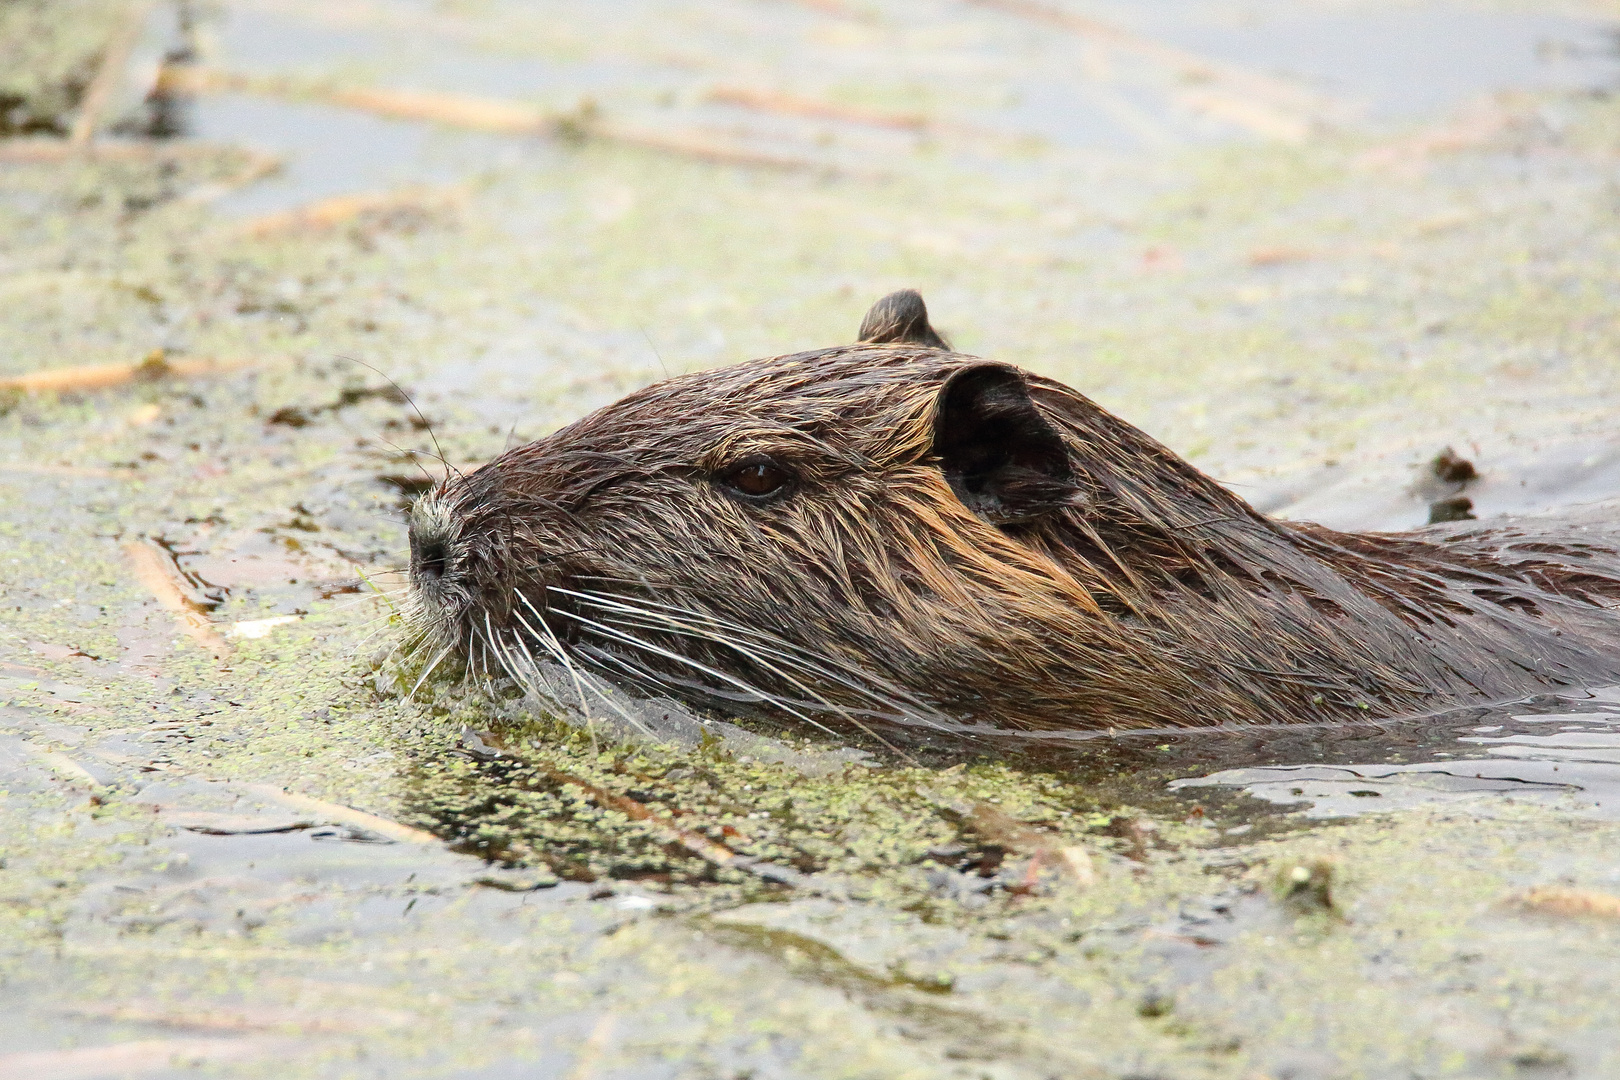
[[893, 530]]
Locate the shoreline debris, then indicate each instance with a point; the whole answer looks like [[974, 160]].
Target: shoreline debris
[[154, 366]]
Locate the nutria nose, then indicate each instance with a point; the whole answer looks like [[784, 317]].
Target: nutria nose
[[429, 559], [430, 549]]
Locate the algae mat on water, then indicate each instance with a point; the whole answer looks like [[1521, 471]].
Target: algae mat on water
[[230, 841]]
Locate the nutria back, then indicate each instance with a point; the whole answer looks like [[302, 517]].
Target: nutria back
[[894, 531]]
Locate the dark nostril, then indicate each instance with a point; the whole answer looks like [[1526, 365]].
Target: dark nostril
[[428, 557]]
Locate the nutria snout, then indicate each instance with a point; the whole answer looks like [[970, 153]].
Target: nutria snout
[[894, 531]]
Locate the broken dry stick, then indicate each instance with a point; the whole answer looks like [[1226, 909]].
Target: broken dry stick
[[700, 147], [1239, 111], [113, 62], [139, 1056], [212, 824], [256, 167], [1266, 105], [1002, 828], [480, 114], [1474, 127], [1187, 64], [788, 104], [453, 110], [102, 376], [772, 101], [696, 843], [836, 8], [47, 150], [302, 1019], [1560, 901], [343, 815], [67, 768], [590, 1054], [329, 213], [999, 827], [152, 570]]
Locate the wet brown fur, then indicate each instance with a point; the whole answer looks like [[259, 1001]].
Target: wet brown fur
[[1147, 596]]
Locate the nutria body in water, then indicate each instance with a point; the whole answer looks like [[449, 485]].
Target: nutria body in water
[[894, 530]]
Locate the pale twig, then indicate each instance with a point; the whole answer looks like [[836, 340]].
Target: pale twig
[[245, 1017], [67, 768], [137, 1056], [452, 110], [696, 843], [343, 815], [111, 72], [45, 150], [1474, 127], [329, 213], [695, 145], [482, 114], [102, 376], [1577, 902], [596, 1043], [792, 105], [997, 826], [152, 570], [256, 167], [1265, 105]]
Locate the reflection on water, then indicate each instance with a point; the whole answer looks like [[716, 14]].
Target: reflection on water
[[1567, 758], [1557, 750]]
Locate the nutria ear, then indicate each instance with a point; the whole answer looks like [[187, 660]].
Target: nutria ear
[[901, 316], [1003, 459]]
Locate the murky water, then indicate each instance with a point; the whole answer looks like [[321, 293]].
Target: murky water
[[1266, 232], [1030, 80], [1567, 757], [1064, 84]]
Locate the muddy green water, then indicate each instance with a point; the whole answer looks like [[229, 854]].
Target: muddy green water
[[1360, 233]]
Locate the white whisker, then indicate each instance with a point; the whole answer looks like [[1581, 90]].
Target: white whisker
[[429, 670], [764, 646], [630, 639], [558, 650], [549, 639]]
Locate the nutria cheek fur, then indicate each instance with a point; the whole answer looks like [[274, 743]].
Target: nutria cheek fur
[[892, 530]]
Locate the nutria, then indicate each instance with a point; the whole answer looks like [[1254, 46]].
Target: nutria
[[892, 530]]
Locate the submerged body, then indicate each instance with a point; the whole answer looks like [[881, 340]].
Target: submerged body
[[895, 531]]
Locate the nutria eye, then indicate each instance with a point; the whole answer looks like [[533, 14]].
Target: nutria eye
[[757, 478]]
